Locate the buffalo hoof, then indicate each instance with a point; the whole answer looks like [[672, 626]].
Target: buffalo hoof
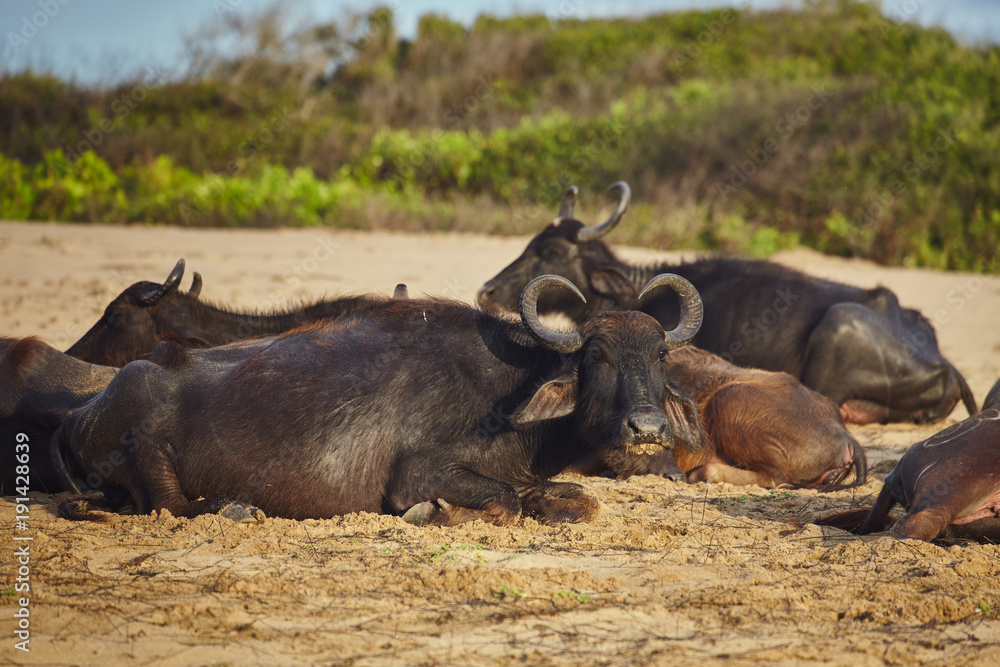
[[83, 508], [443, 513], [421, 514], [561, 502], [239, 513]]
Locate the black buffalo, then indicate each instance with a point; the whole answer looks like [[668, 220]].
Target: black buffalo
[[425, 407], [145, 312], [39, 385], [876, 360]]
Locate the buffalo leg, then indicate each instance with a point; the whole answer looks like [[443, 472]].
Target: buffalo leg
[[875, 521], [459, 495], [442, 513], [922, 525], [980, 530], [229, 509], [716, 471], [83, 508], [555, 502], [224, 507], [164, 493]]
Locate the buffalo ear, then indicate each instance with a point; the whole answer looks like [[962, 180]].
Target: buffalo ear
[[612, 284], [555, 398]]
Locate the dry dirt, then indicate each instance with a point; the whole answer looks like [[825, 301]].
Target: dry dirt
[[668, 574]]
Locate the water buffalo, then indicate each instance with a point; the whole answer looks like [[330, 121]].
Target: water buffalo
[[760, 428], [763, 427], [39, 385], [422, 407], [876, 360], [133, 323], [949, 483]]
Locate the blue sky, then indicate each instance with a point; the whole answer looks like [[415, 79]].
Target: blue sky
[[104, 40]]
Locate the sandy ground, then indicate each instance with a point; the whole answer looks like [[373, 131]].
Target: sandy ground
[[668, 574]]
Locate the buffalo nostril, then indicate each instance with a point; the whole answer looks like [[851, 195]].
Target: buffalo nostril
[[647, 426]]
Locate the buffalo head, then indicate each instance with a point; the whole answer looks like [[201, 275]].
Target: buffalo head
[[129, 327], [568, 248], [614, 376]]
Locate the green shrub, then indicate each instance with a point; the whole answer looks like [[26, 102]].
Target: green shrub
[[483, 128]]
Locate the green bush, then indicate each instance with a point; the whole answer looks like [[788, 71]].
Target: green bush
[[17, 190], [750, 131]]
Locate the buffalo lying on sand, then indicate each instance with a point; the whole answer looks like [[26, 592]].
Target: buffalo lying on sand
[[144, 313], [949, 484], [763, 428], [39, 385], [760, 427], [422, 407], [877, 361]]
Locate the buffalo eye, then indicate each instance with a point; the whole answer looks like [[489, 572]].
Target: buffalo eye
[[663, 356], [596, 357]]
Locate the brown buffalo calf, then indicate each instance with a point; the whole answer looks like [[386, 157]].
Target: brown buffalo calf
[[949, 484], [760, 428], [763, 428]]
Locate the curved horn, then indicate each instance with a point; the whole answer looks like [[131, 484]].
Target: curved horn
[[692, 309], [168, 286], [560, 342], [195, 290], [568, 205], [597, 231]]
